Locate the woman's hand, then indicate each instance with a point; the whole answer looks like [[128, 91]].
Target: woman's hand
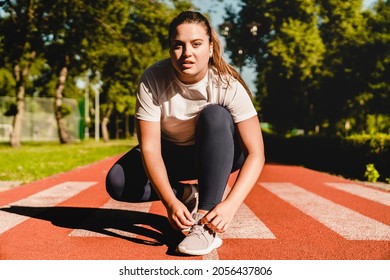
[[220, 217], [179, 216]]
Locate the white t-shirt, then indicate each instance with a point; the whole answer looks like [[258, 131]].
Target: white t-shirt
[[161, 97]]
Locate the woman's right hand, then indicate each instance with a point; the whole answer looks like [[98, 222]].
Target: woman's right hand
[[179, 216]]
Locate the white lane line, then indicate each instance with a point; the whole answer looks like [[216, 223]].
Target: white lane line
[[117, 205], [246, 224], [364, 192], [46, 198], [346, 222], [213, 255]]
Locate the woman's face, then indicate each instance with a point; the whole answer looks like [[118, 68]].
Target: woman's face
[[190, 52]]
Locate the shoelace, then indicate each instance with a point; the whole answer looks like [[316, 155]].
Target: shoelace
[[198, 229]]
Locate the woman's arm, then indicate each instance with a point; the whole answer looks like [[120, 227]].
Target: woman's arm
[[220, 217], [149, 138]]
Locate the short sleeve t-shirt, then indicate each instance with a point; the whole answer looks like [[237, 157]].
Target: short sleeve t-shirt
[[161, 97]]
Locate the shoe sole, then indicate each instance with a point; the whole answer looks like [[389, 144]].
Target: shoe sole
[[217, 242]]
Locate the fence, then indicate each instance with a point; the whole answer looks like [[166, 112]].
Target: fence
[[39, 122]]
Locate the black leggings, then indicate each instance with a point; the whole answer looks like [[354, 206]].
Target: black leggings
[[214, 156]]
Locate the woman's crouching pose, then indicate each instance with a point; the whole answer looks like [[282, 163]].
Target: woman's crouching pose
[[195, 121]]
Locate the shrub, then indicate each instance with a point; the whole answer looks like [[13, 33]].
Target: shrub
[[371, 173], [376, 143], [343, 156]]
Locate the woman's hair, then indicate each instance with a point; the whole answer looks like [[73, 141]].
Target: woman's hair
[[225, 70]]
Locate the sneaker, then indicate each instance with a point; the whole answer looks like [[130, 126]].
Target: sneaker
[[200, 240], [192, 200]]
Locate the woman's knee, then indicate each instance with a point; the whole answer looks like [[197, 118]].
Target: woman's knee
[[215, 118], [115, 182], [126, 180]]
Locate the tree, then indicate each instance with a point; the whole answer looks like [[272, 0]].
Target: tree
[[376, 58], [140, 42], [282, 39], [320, 64], [344, 33], [23, 44], [73, 30], [61, 41]]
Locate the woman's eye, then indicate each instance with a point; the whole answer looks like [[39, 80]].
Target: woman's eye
[[176, 46], [197, 44]]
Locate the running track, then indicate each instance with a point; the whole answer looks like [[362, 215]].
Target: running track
[[292, 213]]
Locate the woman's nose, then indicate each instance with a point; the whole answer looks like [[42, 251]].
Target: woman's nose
[[187, 51]]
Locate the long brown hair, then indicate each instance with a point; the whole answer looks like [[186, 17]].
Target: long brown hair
[[225, 70]]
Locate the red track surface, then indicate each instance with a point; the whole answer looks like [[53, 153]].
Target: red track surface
[[292, 213]]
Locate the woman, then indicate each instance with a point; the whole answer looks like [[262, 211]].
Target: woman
[[195, 121]]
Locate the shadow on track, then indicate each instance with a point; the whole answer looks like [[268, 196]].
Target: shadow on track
[[155, 228]]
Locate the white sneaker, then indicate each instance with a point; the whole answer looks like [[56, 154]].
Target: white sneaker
[[200, 240]]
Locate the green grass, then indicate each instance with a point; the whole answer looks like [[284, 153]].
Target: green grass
[[34, 161]]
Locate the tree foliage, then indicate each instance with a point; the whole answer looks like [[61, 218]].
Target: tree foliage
[[55, 43], [282, 39], [377, 56], [321, 64]]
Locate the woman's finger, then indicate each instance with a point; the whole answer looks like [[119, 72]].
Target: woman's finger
[[208, 218]]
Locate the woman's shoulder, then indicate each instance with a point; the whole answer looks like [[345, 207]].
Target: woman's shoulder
[[157, 77], [158, 69], [164, 63], [222, 80]]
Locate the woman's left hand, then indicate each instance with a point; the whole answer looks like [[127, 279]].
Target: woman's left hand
[[219, 218]]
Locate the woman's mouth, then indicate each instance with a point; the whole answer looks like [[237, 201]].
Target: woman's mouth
[[187, 64]]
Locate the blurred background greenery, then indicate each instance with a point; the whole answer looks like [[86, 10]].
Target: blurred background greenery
[[320, 72]]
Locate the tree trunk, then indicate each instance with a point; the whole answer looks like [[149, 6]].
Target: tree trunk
[[63, 132], [133, 129], [127, 126], [20, 78], [20, 108], [117, 130], [105, 121]]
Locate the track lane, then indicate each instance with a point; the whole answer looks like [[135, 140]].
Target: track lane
[[89, 225]]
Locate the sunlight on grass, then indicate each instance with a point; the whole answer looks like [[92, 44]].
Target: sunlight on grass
[[34, 161]]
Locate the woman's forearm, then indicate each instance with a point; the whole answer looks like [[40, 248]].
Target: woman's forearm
[[252, 140], [246, 179], [149, 139], [157, 174]]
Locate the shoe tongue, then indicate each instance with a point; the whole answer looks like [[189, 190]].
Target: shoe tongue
[[197, 216]]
